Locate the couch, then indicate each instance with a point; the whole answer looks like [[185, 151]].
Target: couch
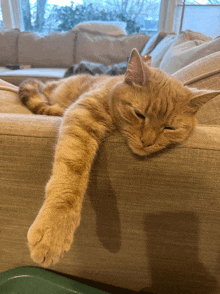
[[148, 224]]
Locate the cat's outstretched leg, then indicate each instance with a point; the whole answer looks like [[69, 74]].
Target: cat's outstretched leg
[[52, 232], [31, 93]]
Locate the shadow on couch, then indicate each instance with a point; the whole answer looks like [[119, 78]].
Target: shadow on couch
[[173, 252]]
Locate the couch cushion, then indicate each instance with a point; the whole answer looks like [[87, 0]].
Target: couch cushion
[[106, 27], [107, 49], [54, 50], [9, 47], [9, 102], [17, 76], [152, 43], [146, 222], [160, 50], [204, 73], [189, 35], [188, 47]]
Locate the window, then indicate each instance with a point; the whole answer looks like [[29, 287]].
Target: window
[[1, 18], [201, 16], [46, 16]]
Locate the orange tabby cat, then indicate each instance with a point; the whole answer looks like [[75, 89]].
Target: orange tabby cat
[[148, 107]]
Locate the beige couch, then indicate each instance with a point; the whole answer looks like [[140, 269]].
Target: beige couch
[[147, 223], [50, 56]]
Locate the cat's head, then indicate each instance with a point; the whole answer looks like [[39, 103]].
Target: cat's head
[[152, 109]]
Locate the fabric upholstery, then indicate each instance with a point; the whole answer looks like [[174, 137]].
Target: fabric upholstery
[[147, 229], [106, 27], [54, 50], [189, 35], [160, 50], [153, 42], [183, 51], [107, 49], [204, 74], [9, 47], [9, 102]]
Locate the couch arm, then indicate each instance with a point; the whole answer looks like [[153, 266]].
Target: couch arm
[[148, 223]]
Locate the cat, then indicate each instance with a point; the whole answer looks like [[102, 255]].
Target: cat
[[149, 108]]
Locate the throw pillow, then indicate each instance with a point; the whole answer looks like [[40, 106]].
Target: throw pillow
[[152, 43], [160, 50], [188, 47], [106, 27], [204, 73]]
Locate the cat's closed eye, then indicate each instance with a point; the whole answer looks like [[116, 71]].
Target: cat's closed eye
[[139, 114], [169, 128]]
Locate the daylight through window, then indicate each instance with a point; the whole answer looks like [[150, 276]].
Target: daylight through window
[[1, 18], [201, 16], [47, 16]]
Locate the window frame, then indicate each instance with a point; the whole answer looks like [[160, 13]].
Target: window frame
[[11, 12], [182, 5]]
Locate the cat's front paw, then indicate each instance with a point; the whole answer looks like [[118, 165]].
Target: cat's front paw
[[51, 234]]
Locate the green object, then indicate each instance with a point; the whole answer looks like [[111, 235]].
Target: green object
[[34, 280]]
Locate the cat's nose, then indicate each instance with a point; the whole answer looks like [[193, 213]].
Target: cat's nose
[[148, 139]]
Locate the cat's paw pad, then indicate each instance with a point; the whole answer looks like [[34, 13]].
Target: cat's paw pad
[[50, 236]]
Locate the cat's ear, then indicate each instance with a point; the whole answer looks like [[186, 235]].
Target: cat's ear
[[137, 72], [201, 97], [147, 59]]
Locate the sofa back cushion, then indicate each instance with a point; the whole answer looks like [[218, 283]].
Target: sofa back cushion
[[154, 41], [54, 50], [188, 47], [106, 27], [161, 49], [9, 47], [204, 74], [107, 49]]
